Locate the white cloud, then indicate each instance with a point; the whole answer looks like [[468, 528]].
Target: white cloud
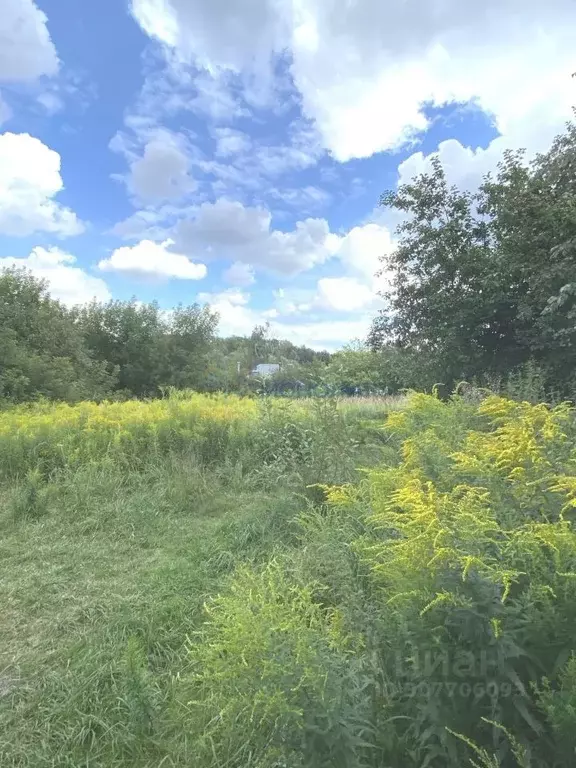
[[362, 249], [303, 198], [465, 167], [252, 163], [26, 50], [29, 180], [226, 223], [231, 142], [218, 34], [239, 274], [227, 229], [162, 173], [357, 291], [212, 95], [51, 102], [324, 334], [147, 224], [344, 294], [332, 295], [314, 317], [392, 58], [276, 160], [67, 283], [147, 259], [237, 317]]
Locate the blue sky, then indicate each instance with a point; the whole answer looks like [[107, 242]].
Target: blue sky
[[233, 151]]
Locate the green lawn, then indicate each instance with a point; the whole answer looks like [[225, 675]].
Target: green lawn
[[111, 567]]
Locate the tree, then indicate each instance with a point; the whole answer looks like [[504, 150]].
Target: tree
[[484, 282], [129, 337], [149, 348], [260, 338], [41, 348], [440, 268], [189, 335], [533, 225]]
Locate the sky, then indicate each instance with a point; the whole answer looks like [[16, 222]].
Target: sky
[[233, 152]]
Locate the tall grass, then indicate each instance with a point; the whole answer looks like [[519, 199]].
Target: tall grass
[[46, 437], [118, 522], [437, 603]]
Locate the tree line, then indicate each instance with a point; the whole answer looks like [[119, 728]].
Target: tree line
[[121, 349]]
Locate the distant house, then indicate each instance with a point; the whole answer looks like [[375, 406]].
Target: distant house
[[265, 369]]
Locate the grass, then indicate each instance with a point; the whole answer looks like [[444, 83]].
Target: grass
[[113, 560], [269, 584], [106, 565]]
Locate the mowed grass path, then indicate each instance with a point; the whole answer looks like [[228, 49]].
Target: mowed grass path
[[115, 563]]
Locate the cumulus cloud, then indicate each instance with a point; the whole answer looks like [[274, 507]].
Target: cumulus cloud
[[162, 172], [67, 283], [324, 334], [26, 50], [361, 254], [465, 166], [363, 251], [146, 224], [391, 58], [337, 308], [148, 259], [344, 294], [230, 142], [29, 181], [222, 33], [239, 274], [395, 58], [237, 317], [228, 229]]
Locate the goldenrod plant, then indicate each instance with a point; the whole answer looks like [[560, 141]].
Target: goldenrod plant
[[437, 603]]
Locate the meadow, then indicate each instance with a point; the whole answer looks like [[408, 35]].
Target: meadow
[[229, 582]]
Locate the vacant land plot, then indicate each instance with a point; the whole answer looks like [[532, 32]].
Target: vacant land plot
[[216, 581], [118, 522]]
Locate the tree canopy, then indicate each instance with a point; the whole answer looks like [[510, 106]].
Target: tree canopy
[[485, 282]]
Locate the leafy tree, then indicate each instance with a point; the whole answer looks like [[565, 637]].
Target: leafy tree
[[533, 228], [189, 334], [484, 282], [150, 348], [41, 347], [128, 336]]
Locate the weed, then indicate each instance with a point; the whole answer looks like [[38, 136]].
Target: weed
[[31, 498]]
